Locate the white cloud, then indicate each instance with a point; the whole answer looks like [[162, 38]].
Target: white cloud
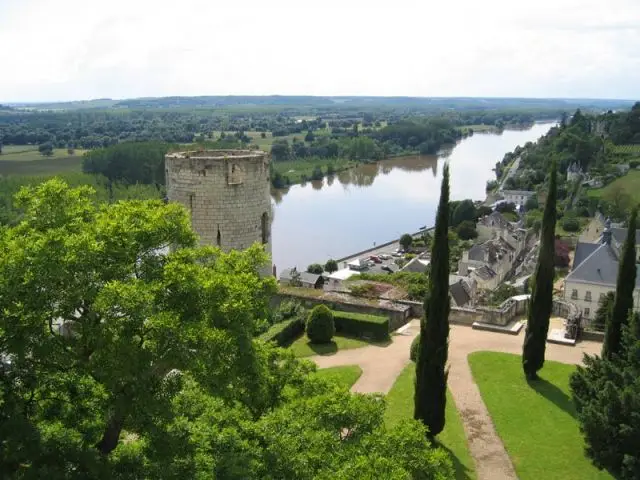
[[70, 49]]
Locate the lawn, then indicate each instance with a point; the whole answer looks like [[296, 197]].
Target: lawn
[[452, 438], [536, 422], [629, 184], [303, 348], [345, 376], [298, 169], [27, 160], [29, 153]]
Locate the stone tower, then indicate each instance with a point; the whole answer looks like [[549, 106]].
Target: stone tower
[[227, 193]]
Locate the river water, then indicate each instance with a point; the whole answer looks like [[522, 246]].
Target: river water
[[379, 202]]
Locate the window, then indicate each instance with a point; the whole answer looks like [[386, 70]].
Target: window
[[218, 239], [574, 294], [264, 223], [587, 297], [586, 312]]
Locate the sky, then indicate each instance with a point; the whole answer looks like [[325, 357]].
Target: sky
[[57, 50]]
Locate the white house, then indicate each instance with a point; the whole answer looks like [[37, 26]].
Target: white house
[[519, 197], [595, 271]]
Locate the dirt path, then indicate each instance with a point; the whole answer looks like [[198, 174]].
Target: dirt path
[[381, 365]]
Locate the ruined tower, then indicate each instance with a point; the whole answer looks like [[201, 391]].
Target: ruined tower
[[227, 193]]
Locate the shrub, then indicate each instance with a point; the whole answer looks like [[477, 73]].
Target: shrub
[[415, 349], [362, 325], [570, 224], [467, 230], [320, 325], [285, 332]]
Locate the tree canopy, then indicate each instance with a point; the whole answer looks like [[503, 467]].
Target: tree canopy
[[124, 358]]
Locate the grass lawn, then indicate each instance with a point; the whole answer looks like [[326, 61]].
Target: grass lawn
[[536, 422], [298, 169], [629, 184], [27, 160], [345, 376], [29, 153], [303, 348], [452, 439]]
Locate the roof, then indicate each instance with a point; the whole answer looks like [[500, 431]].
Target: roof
[[459, 293], [519, 192], [416, 265], [495, 219], [484, 272], [583, 250], [343, 274], [600, 268], [620, 235], [311, 278], [287, 273]]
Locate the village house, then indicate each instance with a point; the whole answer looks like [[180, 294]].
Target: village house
[[519, 197], [291, 276], [595, 271], [492, 258]]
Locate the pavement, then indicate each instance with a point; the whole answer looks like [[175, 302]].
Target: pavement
[[382, 365]]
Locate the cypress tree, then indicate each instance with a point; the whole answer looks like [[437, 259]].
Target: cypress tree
[[623, 303], [542, 291], [431, 373]]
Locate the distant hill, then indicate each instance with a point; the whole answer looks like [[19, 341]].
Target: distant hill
[[420, 103]]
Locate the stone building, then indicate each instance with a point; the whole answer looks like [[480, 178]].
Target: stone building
[[227, 194]]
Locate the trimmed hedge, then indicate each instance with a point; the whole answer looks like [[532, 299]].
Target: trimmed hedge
[[415, 349], [361, 325], [320, 325], [284, 333]]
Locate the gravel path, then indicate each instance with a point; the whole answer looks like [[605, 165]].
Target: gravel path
[[381, 365]]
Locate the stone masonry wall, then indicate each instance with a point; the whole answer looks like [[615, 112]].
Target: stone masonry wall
[[227, 194]]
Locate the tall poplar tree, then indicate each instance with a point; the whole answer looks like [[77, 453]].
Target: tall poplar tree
[[542, 291], [625, 286], [431, 373]]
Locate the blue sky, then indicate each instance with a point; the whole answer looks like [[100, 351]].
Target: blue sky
[[80, 49]]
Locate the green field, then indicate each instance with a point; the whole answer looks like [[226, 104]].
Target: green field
[[537, 421], [629, 184], [631, 150], [298, 170], [344, 376], [452, 438], [303, 348], [27, 160]]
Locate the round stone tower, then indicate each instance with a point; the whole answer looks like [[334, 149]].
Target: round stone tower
[[227, 193]]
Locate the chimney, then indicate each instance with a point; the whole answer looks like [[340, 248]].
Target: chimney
[[606, 232]]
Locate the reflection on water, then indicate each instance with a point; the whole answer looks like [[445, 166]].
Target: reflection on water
[[378, 202]]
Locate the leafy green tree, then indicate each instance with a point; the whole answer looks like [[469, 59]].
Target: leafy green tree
[[531, 203], [405, 241], [467, 230], [465, 211], [135, 361], [280, 150], [625, 286], [606, 392], [309, 137], [542, 291], [46, 149], [331, 266], [315, 268], [320, 325], [604, 311], [431, 373]]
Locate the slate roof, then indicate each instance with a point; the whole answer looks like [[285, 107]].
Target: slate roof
[[416, 265], [620, 234], [309, 278], [485, 272], [459, 293], [495, 219], [583, 250], [600, 268], [287, 274]]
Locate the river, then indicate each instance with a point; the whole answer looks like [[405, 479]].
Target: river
[[378, 202]]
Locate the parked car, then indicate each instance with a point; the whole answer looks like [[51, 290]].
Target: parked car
[[375, 259], [384, 256]]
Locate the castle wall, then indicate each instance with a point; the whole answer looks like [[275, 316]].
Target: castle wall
[[227, 194]]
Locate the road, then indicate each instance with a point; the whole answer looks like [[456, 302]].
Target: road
[[514, 168]]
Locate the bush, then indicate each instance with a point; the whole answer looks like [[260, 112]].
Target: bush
[[284, 333], [415, 349], [320, 325], [467, 230], [570, 224], [362, 325]]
